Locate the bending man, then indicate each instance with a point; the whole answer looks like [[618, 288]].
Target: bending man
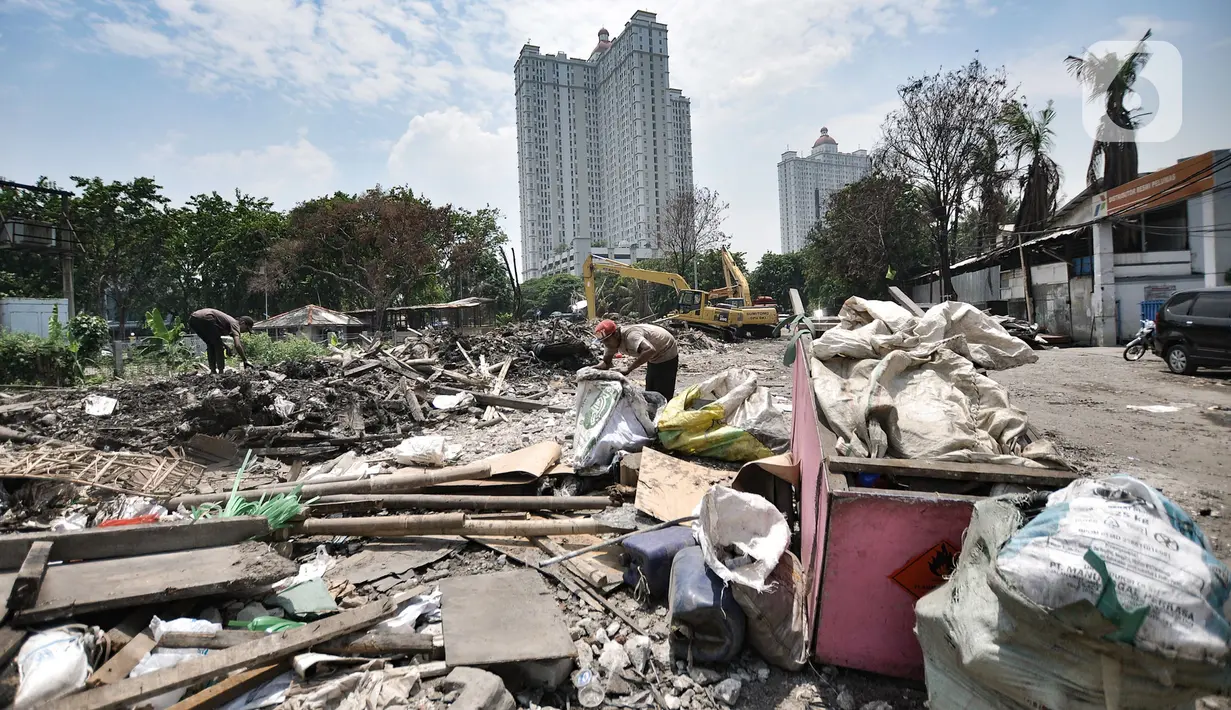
[[211, 325], [647, 345]]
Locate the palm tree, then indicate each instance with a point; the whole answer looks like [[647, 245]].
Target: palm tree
[[1029, 136], [1112, 77]]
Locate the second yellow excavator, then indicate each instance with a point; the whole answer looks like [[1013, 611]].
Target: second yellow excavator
[[695, 308]]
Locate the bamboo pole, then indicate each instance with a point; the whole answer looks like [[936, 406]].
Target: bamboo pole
[[614, 541], [400, 482], [449, 524], [429, 501]]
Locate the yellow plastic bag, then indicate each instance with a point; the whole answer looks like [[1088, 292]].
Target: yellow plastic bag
[[704, 431]]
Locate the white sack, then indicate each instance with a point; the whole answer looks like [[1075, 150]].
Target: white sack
[[612, 415], [741, 535], [906, 387], [421, 450], [1155, 554], [52, 664]]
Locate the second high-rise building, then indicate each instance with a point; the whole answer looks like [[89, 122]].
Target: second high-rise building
[[603, 144]]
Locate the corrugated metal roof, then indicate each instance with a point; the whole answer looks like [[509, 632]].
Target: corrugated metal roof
[[307, 315], [472, 302]]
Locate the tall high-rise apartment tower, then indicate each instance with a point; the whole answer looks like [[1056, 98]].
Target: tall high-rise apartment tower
[[603, 144], [805, 184]]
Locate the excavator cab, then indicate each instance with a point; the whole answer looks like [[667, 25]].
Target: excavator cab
[[691, 301]]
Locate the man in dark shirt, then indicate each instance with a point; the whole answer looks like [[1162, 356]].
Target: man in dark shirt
[[211, 325]]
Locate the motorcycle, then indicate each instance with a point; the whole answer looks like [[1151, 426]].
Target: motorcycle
[[1141, 343]]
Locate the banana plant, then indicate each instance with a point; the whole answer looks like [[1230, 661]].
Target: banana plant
[[799, 323]]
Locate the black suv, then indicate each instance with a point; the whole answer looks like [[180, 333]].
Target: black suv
[[1193, 329]]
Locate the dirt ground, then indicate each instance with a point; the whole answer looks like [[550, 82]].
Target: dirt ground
[[1080, 398]]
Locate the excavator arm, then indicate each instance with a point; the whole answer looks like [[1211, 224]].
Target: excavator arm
[[599, 264], [737, 284]]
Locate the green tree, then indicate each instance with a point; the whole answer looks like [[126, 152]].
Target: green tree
[[375, 249], [1111, 78], [1030, 137], [24, 273], [548, 294], [875, 231], [473, 265], [937, 141], [690, 225], [709, 269], [123, 229], [776, 275], [215, 250]]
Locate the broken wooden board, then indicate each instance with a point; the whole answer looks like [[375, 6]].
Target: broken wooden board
[[19, 406], [905, 301], [202, 668], [30, 577], [121, 664], [10, 643], [211, 449], [668, 488], [954, 471], [133, 540], [75, 589], [506, 617], [226, 690], [381, 559], [372, 643], [604, 569], [492, 400]]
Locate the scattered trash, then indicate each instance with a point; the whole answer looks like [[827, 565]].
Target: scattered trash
[[1159, 408], [448, 402], [97, 405], [421, 450]]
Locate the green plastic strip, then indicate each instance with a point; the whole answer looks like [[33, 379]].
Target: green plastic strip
[[1128, 623]]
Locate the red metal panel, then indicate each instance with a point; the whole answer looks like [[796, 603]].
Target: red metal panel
[[813, 486], [867, 619]]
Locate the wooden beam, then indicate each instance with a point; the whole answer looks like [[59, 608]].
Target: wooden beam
[[492, 400], [231, 687], [74, 590], [30, 577], [365, 367], [10, 643], [449, 524], [431, 501], [121, 664], [133, 540], [905, 301], [954, 471], [369, 644], [203, 668]]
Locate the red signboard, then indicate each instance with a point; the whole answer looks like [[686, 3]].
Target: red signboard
[[929, 570], [1160, 188]]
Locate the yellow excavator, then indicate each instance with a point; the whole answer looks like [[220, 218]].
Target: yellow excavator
[[695, 307]]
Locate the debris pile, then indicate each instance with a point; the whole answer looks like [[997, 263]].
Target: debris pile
[[1029, 333]]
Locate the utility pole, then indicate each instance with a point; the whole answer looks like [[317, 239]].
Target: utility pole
[[66, 255]]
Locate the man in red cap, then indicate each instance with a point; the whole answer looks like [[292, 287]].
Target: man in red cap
[[647, 345]]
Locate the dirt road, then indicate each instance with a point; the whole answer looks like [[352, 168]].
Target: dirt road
[[1080, 398]]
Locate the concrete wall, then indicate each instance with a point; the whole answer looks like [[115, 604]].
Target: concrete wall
[[1081, 313], [31, 315]]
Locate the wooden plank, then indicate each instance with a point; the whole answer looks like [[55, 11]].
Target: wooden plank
[[506, 617], [954, 471], [668, 488], [365, 367], [10, 643], [133, 540], [601, 568], [491, 413], [370, 644], [19, 407], [212, 449], [492, 400], [30, 577], [134, 623], [77, 589], [905, 301], [303, 451], [121, 664], [200, 669], [231, 687]]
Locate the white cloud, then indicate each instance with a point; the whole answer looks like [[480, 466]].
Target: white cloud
[[286, 173], [450, 157]]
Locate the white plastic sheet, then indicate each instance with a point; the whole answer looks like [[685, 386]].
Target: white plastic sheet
[[741, 535], [891, 384], [421, 451]]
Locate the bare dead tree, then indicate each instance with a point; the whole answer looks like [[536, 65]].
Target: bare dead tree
[[692, 224], [937, 139]]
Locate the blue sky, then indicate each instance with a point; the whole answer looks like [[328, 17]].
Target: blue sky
[[291, 99]]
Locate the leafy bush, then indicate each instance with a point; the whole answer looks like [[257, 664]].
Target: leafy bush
[[166, 345], [264, 350], [90, 332], [28, 359]]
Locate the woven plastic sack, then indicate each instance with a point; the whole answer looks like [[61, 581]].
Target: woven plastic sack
[[741, 535], [612, 415], [778, 617], [987, 646], [741, 424]]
